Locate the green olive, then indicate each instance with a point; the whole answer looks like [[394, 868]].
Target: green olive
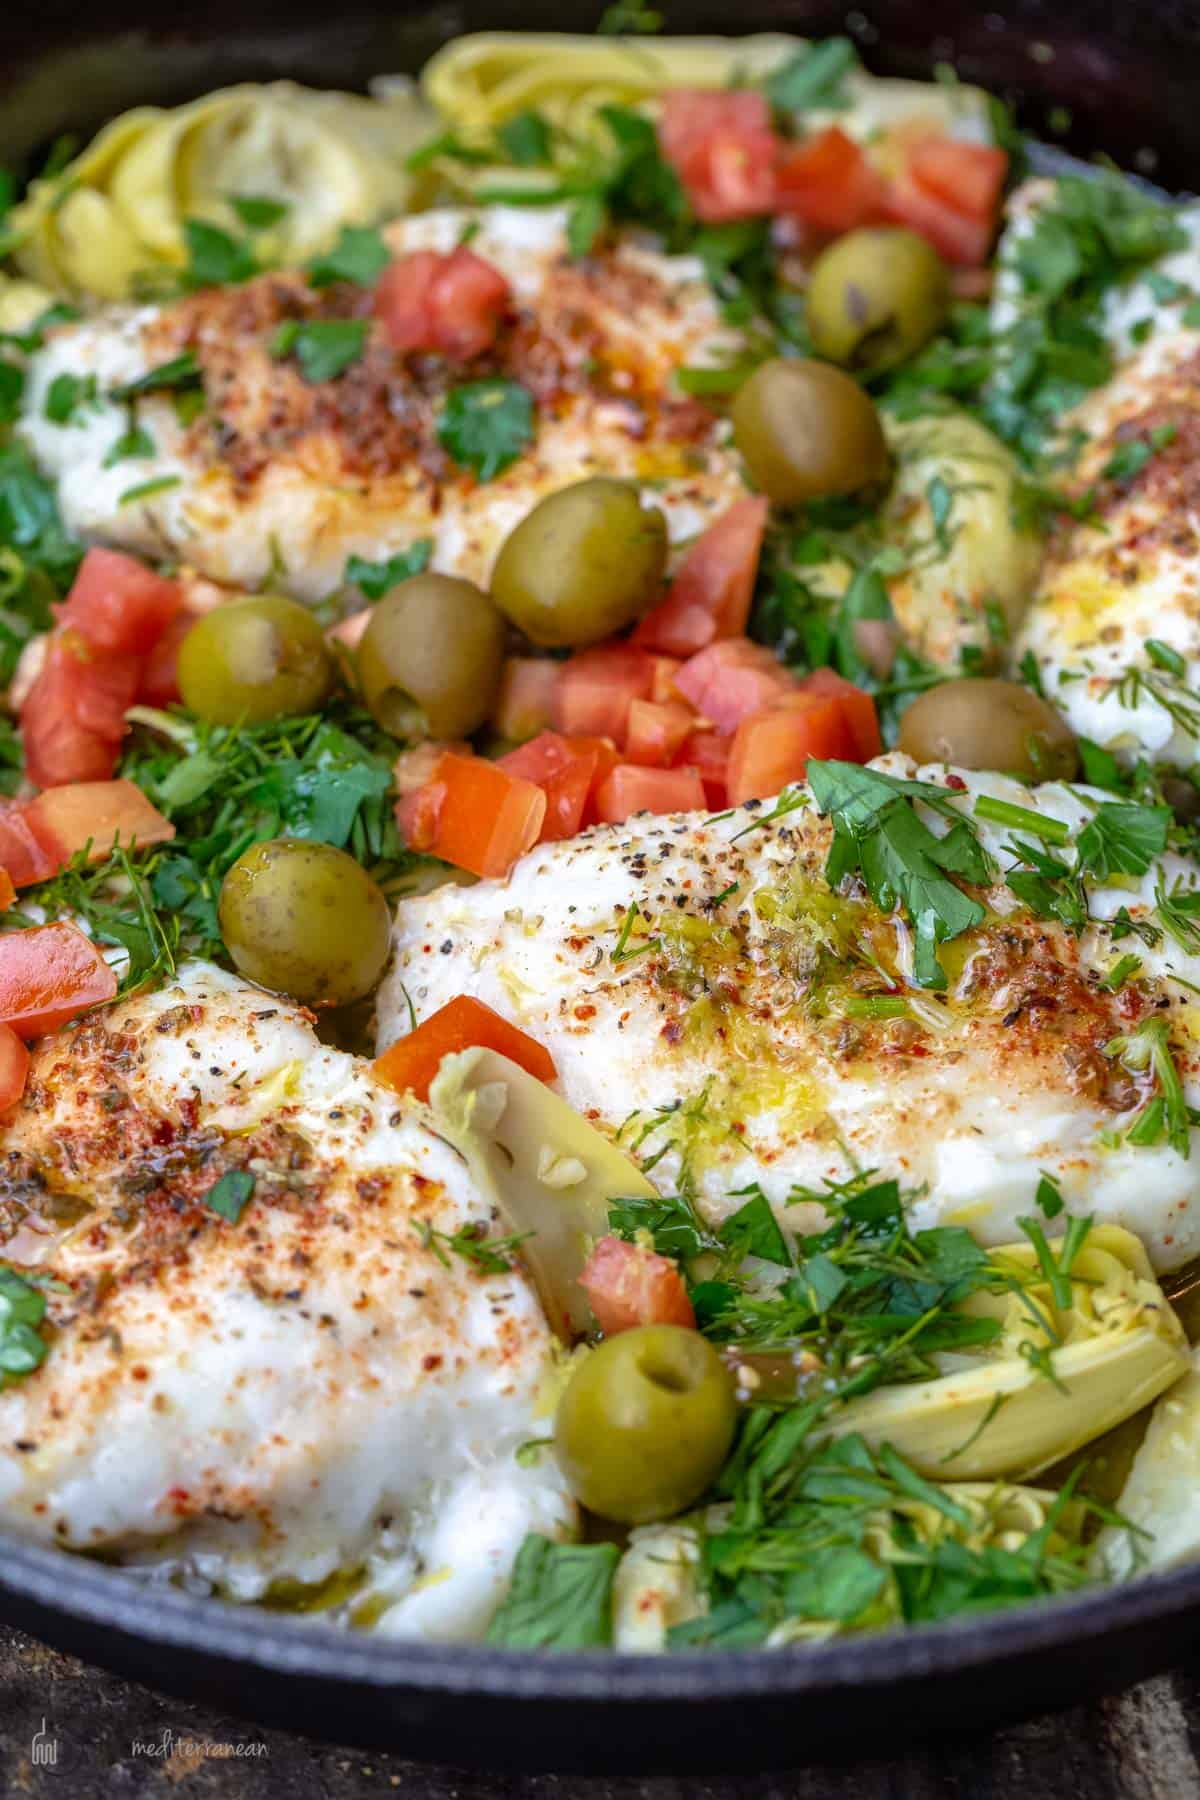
[[982, 724], [645, 1423], [259, 658], [430, 659], [875, 297], [306, 920], [807, 431], [584, 563]]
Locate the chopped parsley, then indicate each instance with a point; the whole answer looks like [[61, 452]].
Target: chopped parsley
[[258, 212], [324, 348], [375, 579], [472, 1245], [814, 78], [215, 258], [146, 490], [133, 445], [486, 425], [559, 1597], [22, 1310], [1122, 838], [1132, 454], [360, 255], [231, 1194], [525, 139], [181, 373], [1165, 1117], [69, 396]]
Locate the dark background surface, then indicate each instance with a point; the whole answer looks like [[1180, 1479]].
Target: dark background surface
[[1140, 1746]]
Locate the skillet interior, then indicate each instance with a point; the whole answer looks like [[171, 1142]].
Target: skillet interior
[[1129, 87]]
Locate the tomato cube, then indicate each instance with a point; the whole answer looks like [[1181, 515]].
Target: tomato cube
[[630, 789], [596, 688]]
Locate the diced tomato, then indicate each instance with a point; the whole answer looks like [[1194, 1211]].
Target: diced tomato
[[413, 1061], [721, 146], [24, 853], [956, 236], [99, 814], [349, 632], [862, 720], [829, 182], [74, 714], [596, 688], [14, 1067], [417, 816], [415, 768], [627, 1285], [486, 817], [117, 604], [732, 680], [710, 595], [708, 753], [565, 770], [607, 758], [525, 703], [969, 178], [160, 671], [772, 750], [662, 682], [657, 731], [48, 973], [630, 789], [8, 891], [452, 304]]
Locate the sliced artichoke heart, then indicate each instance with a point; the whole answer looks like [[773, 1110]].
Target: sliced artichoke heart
[[548, 1171], [1113, 1350], [1161, 1496]]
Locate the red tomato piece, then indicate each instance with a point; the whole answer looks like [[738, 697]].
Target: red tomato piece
[[969, 178], [657, 731], [829, 182], [8, 890], [413, 1061], [630, 789], [858, 707], [98, 814], [74, 714], [710, 595], [607, 758], [14, 1067], [24, 852], [627, 1285], [486, 817], [565, 770], [956, 236], [117, 604], [771, 751], [417, 816], [707, 752], [49, 973], [721, 146], [597, 687], [525, 704], [160, 671], [662, 682], [452, 304], [732, 680]]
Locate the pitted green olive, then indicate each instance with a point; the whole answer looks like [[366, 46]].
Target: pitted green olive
[[305, 920], [982, 724], [807, 431], [645, 1423], [255, 659], [430, 659], [876, 297], [584, 563]]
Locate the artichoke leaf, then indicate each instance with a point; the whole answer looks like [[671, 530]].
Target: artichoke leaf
[[1161, 1496], [1115, 1348], [547, 1170]]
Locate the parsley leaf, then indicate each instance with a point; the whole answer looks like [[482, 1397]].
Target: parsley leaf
[[486, 425], [560, 1597], [258, 212], [179, 374], [360, 255], [1122, 838], [375, 579], [12, 388], [215, 259], [324, 348], [1165, 1115], [814, 78], [69, 395], [877, 832], [525, 139], [231, 1194], [753, 1230], [134, 444]]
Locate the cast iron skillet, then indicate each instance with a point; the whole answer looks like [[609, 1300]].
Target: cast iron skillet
[[1128, 72]]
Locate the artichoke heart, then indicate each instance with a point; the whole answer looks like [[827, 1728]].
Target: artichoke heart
[[1011, 1412], [548, 1171], [1161, 1496], [116, 214]]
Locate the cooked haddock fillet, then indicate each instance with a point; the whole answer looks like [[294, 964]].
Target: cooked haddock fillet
[[282, 480], [310, 1392], [1131, 571], [718, 1022]]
